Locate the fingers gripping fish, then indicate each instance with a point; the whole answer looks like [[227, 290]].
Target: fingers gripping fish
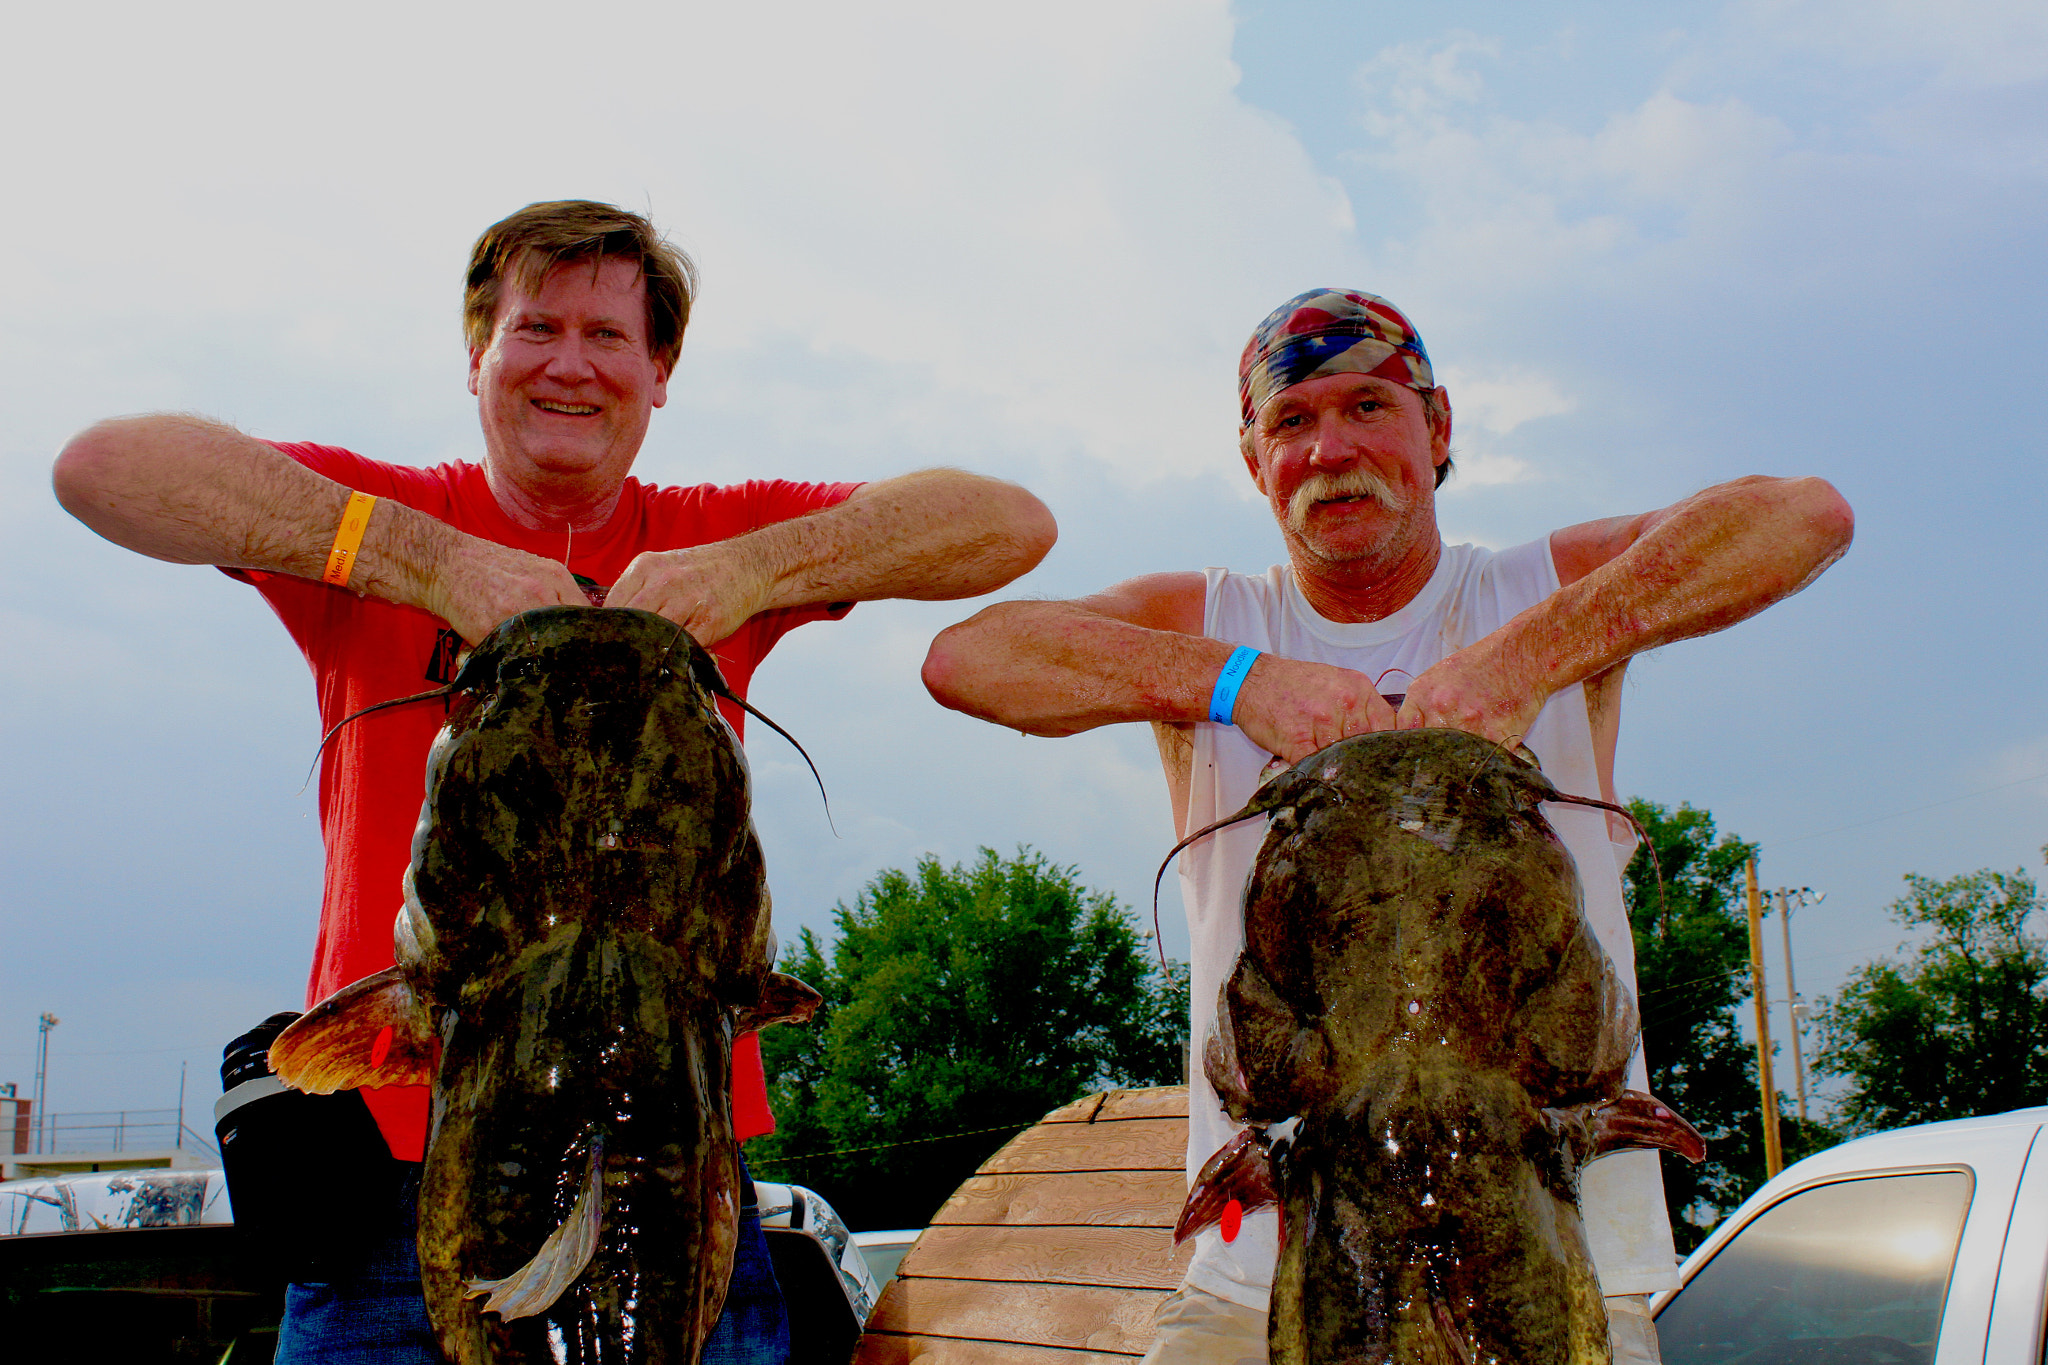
[[584, 930], [1425, 1042]]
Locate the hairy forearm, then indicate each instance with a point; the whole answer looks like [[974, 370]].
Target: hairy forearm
[[192, 491], [1057, 668], [1715, 559], [935, 535]]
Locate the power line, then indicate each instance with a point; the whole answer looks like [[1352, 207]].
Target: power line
[[885, 1146], [1913, 810]]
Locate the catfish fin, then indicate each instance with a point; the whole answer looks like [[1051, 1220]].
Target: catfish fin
[[534, 1287], [1447, 1345], [784, 1000], [1638, 1119], [1263, 1059], [1242, 1171], [370, 1032]]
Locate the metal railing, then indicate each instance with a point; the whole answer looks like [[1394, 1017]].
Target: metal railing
[[120, 1130]]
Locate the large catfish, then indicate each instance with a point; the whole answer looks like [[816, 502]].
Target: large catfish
[[1425, 1042], [585, 928]]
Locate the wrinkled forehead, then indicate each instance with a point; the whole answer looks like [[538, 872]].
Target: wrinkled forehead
[[538, 277], [1325, 332]]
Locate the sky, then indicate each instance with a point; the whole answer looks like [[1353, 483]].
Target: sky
[[1651, 248]]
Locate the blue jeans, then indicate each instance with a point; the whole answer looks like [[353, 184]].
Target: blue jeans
[[378, 1315]]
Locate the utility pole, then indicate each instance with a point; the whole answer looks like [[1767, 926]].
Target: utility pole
[[1795, 1009], [1774, 1152], [43, 1027]]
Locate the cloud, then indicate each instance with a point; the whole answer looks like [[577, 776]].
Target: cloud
[[1966, 43], [1060, 219], [1511, 205]]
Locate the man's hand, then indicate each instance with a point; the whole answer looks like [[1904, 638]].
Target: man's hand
[[709, 590], [478, 583], [1292, 708], [1472, 690]]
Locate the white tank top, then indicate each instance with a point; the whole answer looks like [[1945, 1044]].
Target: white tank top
[[1473, 593]]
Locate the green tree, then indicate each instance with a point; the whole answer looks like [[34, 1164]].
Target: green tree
[[966, 1000], [1958, 1028], [1692, 979]]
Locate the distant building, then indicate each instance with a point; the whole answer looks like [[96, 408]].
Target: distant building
[[81, 1144]]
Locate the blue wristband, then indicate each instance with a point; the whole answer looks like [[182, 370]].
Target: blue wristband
[[1223, 700]]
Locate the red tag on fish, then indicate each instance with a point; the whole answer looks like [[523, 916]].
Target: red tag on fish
[[1232, 1221], [381, 1049]]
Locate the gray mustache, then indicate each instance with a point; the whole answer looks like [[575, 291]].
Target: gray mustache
[[1351, 483]]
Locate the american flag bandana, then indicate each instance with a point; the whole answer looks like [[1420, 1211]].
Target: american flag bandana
[[1324, 332]]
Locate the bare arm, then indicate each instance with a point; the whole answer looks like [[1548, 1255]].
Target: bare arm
[[934, 535], [1634, 583], [1137, 652], [192, 491]]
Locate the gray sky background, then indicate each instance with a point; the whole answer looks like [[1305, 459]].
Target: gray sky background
[[1650, 248]]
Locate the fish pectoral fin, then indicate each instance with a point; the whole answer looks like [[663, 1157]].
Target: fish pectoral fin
[[1448, 1345], [1639, 1120], [784, 1000], [1241, 1170], [534, 1287], [371, 1032]]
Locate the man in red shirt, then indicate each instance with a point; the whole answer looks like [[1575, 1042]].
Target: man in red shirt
[[574, 316]]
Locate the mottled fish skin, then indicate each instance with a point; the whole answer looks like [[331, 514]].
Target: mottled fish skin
[[1419, 985], [596, 913]]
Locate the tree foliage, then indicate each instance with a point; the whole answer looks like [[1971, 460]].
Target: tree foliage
[[958, 1001], [1960, 1027], [1692, 980]]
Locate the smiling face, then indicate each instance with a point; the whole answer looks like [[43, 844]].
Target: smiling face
[[1348, 463], [566, 385]]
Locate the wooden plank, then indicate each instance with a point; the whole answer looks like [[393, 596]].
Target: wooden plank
[[1161, 1102], [1116, 1257], [1156, 1102], [1101, 1198], [883, 1348], [1075, 1316], [1082, 1110], [1130, 1145]]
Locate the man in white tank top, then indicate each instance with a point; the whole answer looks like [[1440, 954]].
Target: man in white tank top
[[1346, 433]]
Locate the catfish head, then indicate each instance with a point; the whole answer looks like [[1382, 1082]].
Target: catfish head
[[584, 774]]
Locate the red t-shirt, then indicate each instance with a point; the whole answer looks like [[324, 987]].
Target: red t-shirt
[[363, 650]]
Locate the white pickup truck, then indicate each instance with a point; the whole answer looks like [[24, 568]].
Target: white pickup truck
[[1919, 1246]]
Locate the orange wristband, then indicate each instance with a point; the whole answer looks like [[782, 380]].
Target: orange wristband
[[348, 537]]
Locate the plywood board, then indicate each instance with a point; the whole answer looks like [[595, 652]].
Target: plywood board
[[883, 1349], [1130, 1145], [1159, 1102], [1058, 1252], [1075, 1316], [1053, 1199], [1115, 1257]]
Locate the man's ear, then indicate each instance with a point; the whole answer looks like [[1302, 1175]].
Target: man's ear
[[659, 394], [1247, 448], [476, 361], [1440, 429]]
